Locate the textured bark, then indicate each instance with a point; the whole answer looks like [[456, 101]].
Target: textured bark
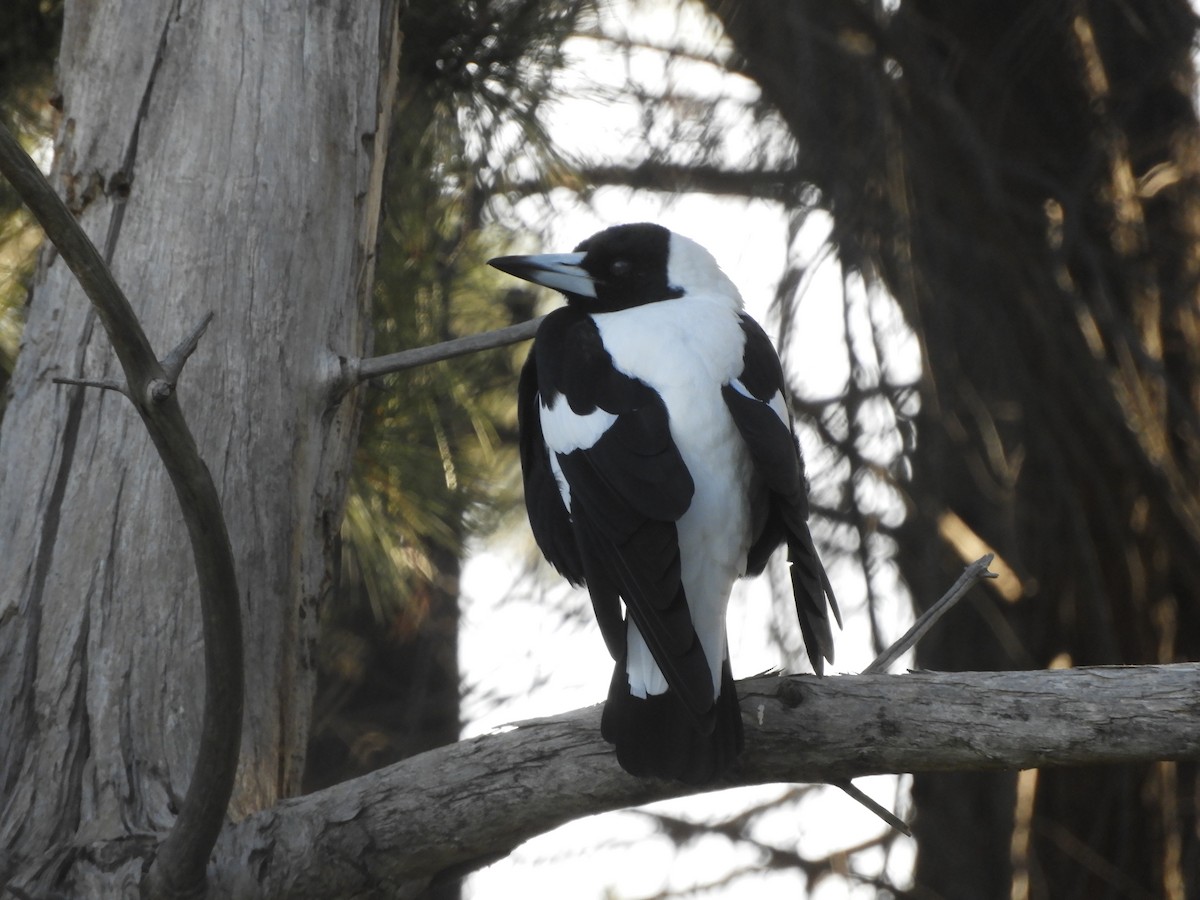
[[224, 158], [149, 384], [455, 808]]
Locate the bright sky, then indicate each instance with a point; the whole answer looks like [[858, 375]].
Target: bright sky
[[513, 635]]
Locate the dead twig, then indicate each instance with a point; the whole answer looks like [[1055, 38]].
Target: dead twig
[[976, 571]]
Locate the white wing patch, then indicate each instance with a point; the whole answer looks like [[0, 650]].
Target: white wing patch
[[737, 385], [777, 403], [564, 431], [564, 489]]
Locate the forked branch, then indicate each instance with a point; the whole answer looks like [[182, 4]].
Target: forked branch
[[179, 867]]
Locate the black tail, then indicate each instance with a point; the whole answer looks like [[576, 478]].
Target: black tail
[[811, 588], [659, 737]]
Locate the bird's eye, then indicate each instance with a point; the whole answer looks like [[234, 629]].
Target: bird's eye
[[620, 267]]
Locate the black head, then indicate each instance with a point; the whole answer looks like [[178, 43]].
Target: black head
[[629, 265], [620, 267]]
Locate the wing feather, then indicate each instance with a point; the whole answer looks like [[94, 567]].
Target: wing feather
[[627, 490], [781, 502], [548, 516]]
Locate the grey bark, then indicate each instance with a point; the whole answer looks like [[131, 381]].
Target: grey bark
[[227, 158], [150, 386], [448, 810]]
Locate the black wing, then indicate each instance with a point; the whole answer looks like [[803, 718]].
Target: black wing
[[627, 490], [779, 505], [548, 516]]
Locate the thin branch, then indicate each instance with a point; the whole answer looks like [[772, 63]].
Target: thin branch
[[157, 389], [782, 185], [355, 371], [179, 866], [883, 812], [114, 386], [174, 361], [973, 573], [976, 571], [397, 828]]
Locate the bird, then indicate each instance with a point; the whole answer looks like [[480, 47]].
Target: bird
[[660, 464]]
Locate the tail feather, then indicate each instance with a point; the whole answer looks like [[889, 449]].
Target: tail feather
[[659, 737], [812, 591]]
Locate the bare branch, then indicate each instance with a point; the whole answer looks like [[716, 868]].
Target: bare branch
[[467, 803], [973, 573], [783, 185], [180, 863], [159, 389], [355, 371], [174, 361], [115, 386], [883, 812]]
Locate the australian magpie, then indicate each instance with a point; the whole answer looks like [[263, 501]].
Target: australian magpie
[[660, 465]]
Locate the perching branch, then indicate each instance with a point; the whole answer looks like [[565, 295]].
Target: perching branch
[[457, 807], [180, 863]]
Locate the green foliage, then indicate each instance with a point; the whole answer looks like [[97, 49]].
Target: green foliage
[[19, 239], [436, 456], [437, 442]]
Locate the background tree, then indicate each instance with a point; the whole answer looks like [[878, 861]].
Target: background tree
[[1023, 179], [1020, 178]]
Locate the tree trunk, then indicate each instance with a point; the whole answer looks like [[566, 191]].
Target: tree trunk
[[226, 158]]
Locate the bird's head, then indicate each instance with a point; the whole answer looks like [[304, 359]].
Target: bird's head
[[625, 266]]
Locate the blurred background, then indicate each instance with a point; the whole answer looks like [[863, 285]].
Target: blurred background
[[973, 230]]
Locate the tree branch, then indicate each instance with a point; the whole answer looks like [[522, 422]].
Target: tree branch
[[355, 371], [174, 361], [783, 185], [179, 867], [115, 386], [457, 807]]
